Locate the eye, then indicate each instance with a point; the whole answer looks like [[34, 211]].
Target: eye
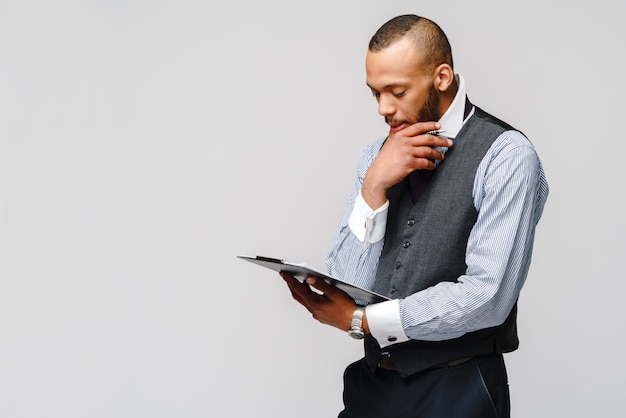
[[399, 94], [375, 94]]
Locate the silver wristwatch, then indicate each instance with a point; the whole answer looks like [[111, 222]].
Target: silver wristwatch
[[356, 327]]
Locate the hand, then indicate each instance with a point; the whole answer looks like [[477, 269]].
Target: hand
[[404, 151], [333, 307]]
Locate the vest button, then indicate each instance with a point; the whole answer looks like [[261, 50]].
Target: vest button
[[406, 244], [393, 290], [398, 265], [411, 222]]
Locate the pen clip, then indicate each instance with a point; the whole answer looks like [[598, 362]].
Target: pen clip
[[437, 132]]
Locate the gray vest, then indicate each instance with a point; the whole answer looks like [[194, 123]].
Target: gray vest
[[425, 244]]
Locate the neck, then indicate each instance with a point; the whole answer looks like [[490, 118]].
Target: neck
[[447, 97]]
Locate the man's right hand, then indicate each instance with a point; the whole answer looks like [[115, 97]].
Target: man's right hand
[[404, 151]]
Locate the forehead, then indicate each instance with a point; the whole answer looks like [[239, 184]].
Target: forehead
[[399, 63]]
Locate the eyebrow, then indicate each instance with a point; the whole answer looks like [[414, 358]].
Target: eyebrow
[[388, 86]]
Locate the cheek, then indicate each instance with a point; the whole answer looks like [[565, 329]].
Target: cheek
[[411, 108]]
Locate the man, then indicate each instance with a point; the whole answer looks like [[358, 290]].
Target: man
[[454, 194]]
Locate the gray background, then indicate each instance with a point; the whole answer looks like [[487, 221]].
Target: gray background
[[145, 144]]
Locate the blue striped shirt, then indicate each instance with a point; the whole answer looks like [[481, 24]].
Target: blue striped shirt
[[509, 193]]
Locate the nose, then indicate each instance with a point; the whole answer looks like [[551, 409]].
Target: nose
[[386, 107]]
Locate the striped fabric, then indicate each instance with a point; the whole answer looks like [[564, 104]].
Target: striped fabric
[[510, 191]]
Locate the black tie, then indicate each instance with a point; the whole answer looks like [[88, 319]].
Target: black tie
[[418, 180]]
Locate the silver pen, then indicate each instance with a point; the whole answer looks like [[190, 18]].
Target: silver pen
[[438, 132]]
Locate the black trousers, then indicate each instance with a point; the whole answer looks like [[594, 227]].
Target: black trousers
[[475, 389]]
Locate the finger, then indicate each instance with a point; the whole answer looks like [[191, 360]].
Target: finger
[[294, 284], [302, 289], [419, 128], [438, 141], [424, 164], [330, 291], [427, 153], [298, 290], [430, 140], [289, 279], [319, 284], [298, 298]]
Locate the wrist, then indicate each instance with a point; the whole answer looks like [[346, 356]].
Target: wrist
[[374, 196], [356, 330]]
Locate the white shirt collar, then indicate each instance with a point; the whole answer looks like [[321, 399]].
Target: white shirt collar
[[452, 120]]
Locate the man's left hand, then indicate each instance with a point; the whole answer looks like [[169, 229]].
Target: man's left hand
[[333, 307]]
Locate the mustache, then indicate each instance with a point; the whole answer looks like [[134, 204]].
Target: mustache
[[389, 121]]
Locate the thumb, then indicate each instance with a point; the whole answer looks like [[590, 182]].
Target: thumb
[[318, 284]]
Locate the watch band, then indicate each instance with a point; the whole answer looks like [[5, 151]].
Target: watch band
[[356, 326]]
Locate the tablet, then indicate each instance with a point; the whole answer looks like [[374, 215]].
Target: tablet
[[301, 271]]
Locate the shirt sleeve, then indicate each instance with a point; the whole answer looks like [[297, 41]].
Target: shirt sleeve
[[385, 323], [358, 241], [366, 224], [510, 191], [355, 251]]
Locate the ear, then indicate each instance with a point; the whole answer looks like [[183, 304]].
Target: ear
[[444, 77]]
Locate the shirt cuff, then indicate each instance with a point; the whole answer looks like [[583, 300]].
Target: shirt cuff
[[368, 225], [384, 323]]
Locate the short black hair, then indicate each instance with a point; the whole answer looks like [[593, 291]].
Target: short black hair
[[425, 34]]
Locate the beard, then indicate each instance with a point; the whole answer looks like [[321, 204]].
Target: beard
[[427, 113], [430, 110]]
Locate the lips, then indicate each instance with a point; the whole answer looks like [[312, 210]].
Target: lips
[[395, 127]]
